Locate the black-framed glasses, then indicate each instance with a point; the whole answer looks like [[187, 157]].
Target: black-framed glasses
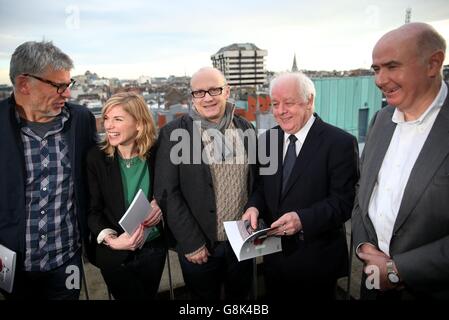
[[60, 87], [212, 92]]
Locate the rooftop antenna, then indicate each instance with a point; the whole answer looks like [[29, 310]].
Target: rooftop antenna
[[408, 15]]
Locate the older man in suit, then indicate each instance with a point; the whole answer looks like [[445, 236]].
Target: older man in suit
[[400, 218], [310, 196]]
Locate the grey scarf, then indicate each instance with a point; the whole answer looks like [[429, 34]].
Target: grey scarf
[[224, 148], [221, 126]]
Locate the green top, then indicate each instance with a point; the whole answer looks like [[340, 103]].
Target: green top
[[135, 176]]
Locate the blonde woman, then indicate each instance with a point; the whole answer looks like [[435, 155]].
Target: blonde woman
[[117, 169]]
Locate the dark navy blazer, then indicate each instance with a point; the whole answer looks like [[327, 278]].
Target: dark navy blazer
[[80, 131]]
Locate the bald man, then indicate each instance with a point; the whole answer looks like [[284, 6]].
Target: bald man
[[205, 184], [401, 214]]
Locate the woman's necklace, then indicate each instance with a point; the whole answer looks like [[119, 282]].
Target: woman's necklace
[[130, 162]]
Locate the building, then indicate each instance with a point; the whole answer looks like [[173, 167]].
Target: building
[[174, 96], [243, 64], [5, 91], [346, 102], [294, 66], [144, 80]]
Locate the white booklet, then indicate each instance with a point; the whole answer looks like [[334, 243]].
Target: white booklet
[[138, 211], [7, 268], [248, 243]]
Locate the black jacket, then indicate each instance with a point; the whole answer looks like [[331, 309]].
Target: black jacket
[[185, 191], [321, 189], [107, 204], [80, 131]]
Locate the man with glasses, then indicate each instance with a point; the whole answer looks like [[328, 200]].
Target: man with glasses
[[43, 142], [197, 195]]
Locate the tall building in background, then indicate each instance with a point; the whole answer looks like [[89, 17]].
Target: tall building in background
[[243, 64]]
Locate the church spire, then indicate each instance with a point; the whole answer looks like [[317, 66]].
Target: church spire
[[294, 67]]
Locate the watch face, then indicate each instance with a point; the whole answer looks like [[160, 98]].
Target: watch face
[[393, 277]]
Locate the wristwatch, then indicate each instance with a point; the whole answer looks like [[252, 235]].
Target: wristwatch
[[392, 275]]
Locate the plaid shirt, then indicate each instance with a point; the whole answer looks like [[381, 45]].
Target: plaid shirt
[[52, 233]]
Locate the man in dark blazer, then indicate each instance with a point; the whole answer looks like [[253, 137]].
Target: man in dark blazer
[[43, 143], [198, 191], [310, 196], [401, 215]]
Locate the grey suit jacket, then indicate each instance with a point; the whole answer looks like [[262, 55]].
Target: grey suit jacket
[[420, 241]]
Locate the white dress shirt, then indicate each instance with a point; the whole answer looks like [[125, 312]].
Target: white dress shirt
[[405, 146], [301, 135]]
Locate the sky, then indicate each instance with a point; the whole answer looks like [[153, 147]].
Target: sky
[[130, 38]]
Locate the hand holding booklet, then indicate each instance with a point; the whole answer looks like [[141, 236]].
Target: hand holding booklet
[[138, 211], [248, 243]]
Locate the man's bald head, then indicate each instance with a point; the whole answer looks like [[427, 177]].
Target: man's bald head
[[210, 93], [408, 63], [419, 36], [208, 72]]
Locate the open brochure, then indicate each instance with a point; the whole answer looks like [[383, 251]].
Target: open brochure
[[7, 268], [248, 243], [138, 211]]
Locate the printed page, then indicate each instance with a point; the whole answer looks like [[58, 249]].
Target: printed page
[[7, 268], [247, 243], [137, 212]]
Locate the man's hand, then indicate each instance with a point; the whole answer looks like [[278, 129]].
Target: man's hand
[[251, 214], [371, 256], [368, 248], [199, 257], [124, 241], [286, 225]]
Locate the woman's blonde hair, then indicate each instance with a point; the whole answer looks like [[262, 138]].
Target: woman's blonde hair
[[135, 105]]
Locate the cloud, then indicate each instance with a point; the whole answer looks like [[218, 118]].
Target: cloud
[[161, 36], [177, 65]]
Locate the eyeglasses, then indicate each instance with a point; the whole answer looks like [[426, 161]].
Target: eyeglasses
[[60, 87], [212, 92]]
